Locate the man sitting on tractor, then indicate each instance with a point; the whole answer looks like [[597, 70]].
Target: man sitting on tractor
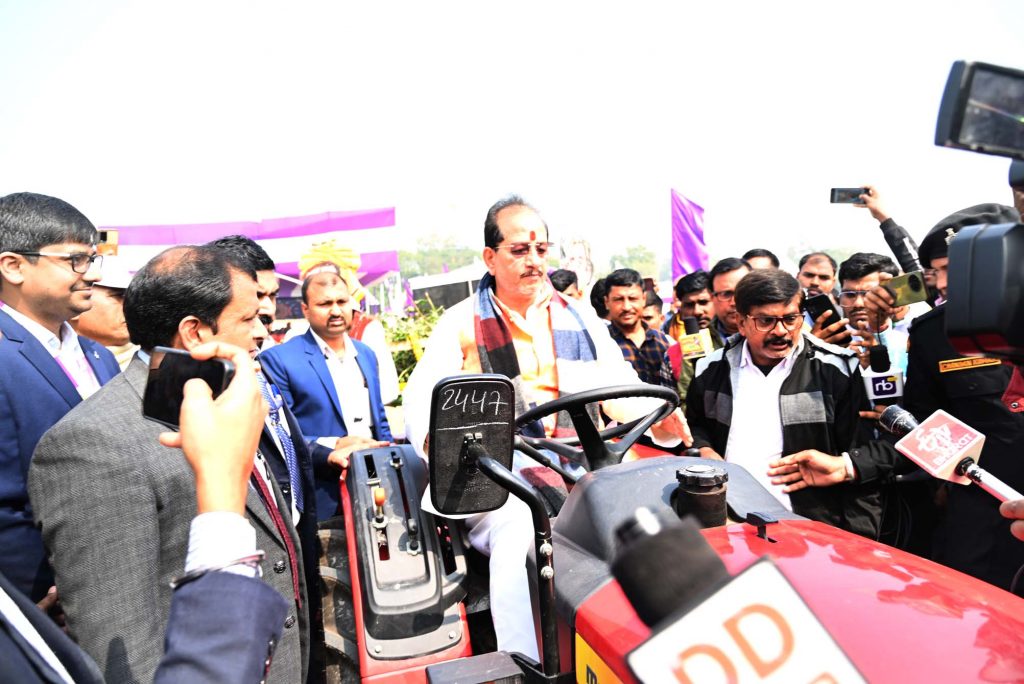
[[517, 325]]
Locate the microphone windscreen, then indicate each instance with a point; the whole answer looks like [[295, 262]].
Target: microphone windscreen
[[898, 421], [691, 326], [663, 572], [879, 355]]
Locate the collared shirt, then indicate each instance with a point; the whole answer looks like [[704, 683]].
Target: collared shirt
[[349, 383], [535, 351], [647, 359], [756, 435], [65, 350]]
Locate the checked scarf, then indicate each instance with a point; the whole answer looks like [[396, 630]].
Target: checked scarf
[[573, 345]]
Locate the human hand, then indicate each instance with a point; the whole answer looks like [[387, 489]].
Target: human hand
[[220, 436], [50, 604], [808, 468], [837, 333], [345, 446], [872, 201], [674, 426], [1014, 510], [879, 302], [708, 452], [862, 347], [874, 415]]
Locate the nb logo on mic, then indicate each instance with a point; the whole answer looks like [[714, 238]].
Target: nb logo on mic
[[884, 386]]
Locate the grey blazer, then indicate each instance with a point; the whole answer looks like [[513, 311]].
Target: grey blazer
[[114, 508]]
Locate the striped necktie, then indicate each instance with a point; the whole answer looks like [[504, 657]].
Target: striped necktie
[[274, 401]]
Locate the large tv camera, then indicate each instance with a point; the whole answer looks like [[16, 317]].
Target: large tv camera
[[982, 110]]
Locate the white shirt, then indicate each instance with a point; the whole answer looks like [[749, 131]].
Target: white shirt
[[65, 350], [350, 385], [375, 338], [755, 435]]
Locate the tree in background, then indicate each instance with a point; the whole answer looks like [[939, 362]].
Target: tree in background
[[434, 254], [638, 258]]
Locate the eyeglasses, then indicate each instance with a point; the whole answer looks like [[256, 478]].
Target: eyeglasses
[[266, 320], [519, 250], [850, 297], [81, 262], [768, 323], [933, 273], [724, 295]]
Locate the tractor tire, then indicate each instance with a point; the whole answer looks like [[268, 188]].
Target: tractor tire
[[338, 610]]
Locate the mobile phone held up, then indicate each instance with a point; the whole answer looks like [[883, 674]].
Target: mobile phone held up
[[846, 195], [819, 304], [169, 370], [908, 288]]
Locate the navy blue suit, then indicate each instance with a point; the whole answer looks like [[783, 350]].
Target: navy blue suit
[[222, 628], [34, 394], [299, 370]]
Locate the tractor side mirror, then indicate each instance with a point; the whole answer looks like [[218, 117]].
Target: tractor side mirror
[[470, 416]]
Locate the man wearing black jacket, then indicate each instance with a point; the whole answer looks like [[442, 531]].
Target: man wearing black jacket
[[785, 405]]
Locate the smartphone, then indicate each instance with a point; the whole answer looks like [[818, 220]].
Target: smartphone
[[846, 195], [908, 288], [169, 370], [819, 304]]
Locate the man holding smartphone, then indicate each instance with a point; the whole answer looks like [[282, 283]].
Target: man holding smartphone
[[100, 481]]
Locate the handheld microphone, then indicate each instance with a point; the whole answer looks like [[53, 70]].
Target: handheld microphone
[[663, 565], [882, 384], [946, 448], [695, 341]]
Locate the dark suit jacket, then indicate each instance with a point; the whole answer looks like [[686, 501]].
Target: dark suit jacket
[[222, 628], [34, 394], [299, 370], [307, 527], [115, 508]]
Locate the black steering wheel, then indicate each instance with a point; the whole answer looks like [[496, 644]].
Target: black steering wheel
[[589, 441]]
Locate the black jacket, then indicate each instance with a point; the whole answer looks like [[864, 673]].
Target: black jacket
[[973, 537], [819, 404]]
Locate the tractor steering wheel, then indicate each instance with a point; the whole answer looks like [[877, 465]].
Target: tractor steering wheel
[[593, 443]]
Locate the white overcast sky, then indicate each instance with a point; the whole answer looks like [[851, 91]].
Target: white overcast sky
[[202, 111]]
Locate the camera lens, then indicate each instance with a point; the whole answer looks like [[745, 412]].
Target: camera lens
[[915, 283]]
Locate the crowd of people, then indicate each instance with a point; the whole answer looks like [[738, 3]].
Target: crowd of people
[[99, 519]]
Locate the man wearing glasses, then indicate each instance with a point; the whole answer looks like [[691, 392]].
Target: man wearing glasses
[[48, 264], [781, 403], [517, 325], [725, 275]]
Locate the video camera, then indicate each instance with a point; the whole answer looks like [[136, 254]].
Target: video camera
[[982, 110]]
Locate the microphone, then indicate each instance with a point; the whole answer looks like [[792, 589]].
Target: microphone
[[946, 448], [695, 341], [882, 384], [898, 421], [663, 565]]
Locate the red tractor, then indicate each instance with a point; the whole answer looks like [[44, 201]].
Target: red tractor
[[412, 606]]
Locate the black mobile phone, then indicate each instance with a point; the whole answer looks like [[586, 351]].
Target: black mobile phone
[[169, 370], [819, 304], [846, 195]]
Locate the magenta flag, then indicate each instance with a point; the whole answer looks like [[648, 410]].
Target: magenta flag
[[688, 251]]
